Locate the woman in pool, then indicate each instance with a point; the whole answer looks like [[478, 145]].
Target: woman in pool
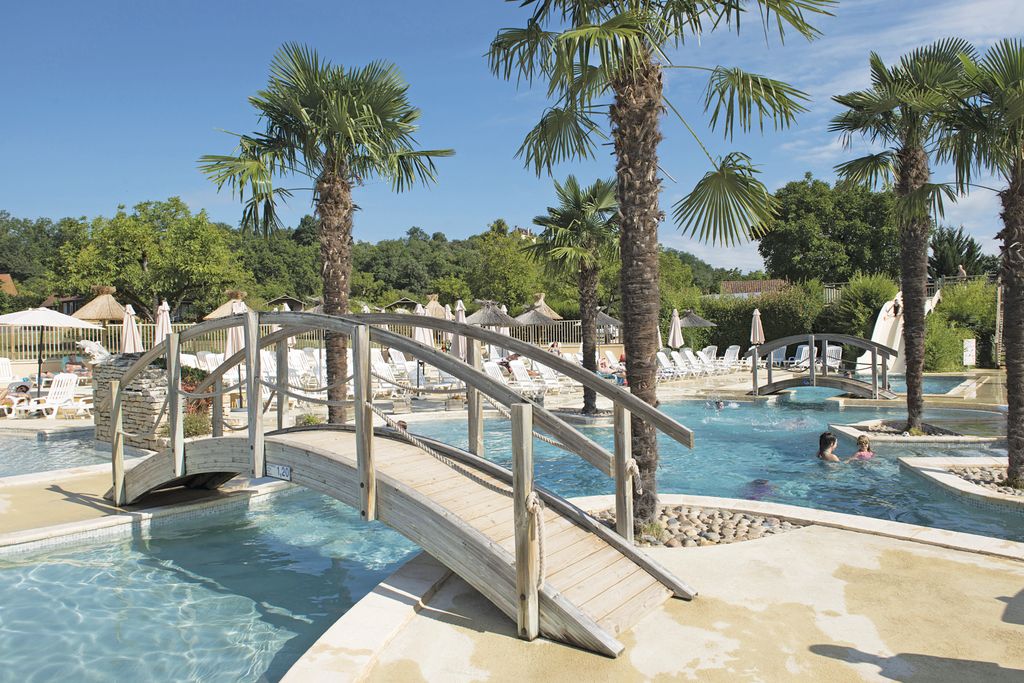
[[863, 449], [826, 447]]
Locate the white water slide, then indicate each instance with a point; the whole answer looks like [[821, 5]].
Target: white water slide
[[889, 332]]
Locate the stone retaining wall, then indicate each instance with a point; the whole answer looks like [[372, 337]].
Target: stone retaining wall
[[141, 401]]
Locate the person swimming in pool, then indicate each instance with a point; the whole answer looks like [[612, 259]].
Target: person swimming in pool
[[827, 446], [757, 489], [864, 451]]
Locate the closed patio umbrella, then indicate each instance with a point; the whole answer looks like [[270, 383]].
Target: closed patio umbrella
[[675, 331], [131, 338], [236, 340], [44, 318], [422, 334], [163, 324], [459, 341], [756, 330]]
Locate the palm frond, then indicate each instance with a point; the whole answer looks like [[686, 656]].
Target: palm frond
[[739, 94], [524, 52], [562, 134], [871, 170], [791, 14], [926, 200], [728, 205]]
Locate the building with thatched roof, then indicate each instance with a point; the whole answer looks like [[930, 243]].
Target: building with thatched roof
[[293, 303]]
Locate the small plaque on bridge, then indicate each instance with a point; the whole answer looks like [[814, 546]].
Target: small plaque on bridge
[[283, 472]]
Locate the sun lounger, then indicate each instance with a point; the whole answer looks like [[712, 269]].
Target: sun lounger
[[666, 370], [6, 373], [522, 381], [62, 393]]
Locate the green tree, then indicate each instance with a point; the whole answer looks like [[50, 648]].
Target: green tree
[[159, 251], [501, 270], [900, 110], [451, 288], [952, 248], [984, 130], [608, 56], [575, 234], [338, 127], [830, 232]]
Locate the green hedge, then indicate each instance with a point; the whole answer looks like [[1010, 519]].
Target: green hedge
[[972, 306], [944, 343], [855, 311], [791, 311]]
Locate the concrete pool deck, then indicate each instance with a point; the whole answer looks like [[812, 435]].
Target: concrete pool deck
[[813, 604]]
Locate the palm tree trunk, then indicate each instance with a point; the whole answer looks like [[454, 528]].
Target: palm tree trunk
[[334, 205], [1012, 275], [588, 329], [635, 117], [913, 173]]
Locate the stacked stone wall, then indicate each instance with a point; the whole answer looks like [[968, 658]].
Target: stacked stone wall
[[142, 400]]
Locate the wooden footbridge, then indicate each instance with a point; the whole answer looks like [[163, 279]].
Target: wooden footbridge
[[824, 369], [547, 564]]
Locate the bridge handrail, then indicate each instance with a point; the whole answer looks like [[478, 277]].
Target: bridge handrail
[[769, 346], [607, 389]]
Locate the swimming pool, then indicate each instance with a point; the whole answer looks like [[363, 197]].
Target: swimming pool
[[237, 596], [932, 384], [24, 454], [766, 452]]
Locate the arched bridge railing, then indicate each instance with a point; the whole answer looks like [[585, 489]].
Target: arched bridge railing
[[478, 387], [823, 368]]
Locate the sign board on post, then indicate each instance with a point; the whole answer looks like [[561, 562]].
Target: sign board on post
[[970, 352]]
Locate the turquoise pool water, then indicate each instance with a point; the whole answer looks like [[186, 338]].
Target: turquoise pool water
[[766, 452], [235, 597], [930, 385], [24, 454]]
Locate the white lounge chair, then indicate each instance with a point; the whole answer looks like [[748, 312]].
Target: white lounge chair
[[835, 357], [683, 366], [802, 359], [698, 362], [522, 381], [778, 357], [666, 370], [6, 373], [61, 395], [729, 361]]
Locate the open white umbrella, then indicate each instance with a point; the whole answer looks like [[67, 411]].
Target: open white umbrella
[[44, 318], [675, 331], [131, 338], [459, 341], [163, 324], [756, 330]]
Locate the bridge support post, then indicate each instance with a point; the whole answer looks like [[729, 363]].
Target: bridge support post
[[824, 357], [812, 353], [363, 398], [754, 362], [475, 401], [874, 374], [623, 474], [885, 371], [527, 551], [254, 394], [175, 404], [217, 416], [282, 380], [117, 442]]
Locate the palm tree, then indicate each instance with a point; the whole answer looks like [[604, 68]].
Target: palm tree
[[336, 127], [900, 110], [985, 131], [576, 235], [607, 57]]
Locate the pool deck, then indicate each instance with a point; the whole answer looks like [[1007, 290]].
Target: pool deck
[[815, 604]]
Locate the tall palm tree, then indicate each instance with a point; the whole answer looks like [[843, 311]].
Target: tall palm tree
[[577, 234], [985, 131], [900, 110], [607, 57], [336, 127]]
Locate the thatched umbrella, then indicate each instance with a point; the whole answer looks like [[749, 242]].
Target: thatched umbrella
[[691, 319], [605, 320], [433, 308], [229, 307], [541, 306], [490, 315], [103, 309], [534, 316]]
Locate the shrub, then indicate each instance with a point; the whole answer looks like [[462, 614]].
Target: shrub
[[857, 308], [791, 311], [943, 344], [196, 424], [308, 420], [972, 306]]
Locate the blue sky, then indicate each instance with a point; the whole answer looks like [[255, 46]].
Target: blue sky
[[111, 103]]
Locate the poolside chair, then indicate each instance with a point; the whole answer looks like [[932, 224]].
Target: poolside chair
[[613, 360], [802, 359], [835, 357], [62, 394], [522, 381], [666, 370], [494, 371], [188, 360], [551, 379], [6, 373], [778, 357], [683, 366], [729, 361], [698, 362], [10, 399]]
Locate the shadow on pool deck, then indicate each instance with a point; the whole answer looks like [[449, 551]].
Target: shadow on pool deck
[[907, 666]]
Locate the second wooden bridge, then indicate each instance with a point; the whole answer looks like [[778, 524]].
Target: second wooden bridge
[[550, 566]]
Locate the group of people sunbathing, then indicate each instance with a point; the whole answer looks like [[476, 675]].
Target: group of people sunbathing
[[827, 446]]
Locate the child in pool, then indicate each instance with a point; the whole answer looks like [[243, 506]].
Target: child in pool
[[863, 449], [826, 447]]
